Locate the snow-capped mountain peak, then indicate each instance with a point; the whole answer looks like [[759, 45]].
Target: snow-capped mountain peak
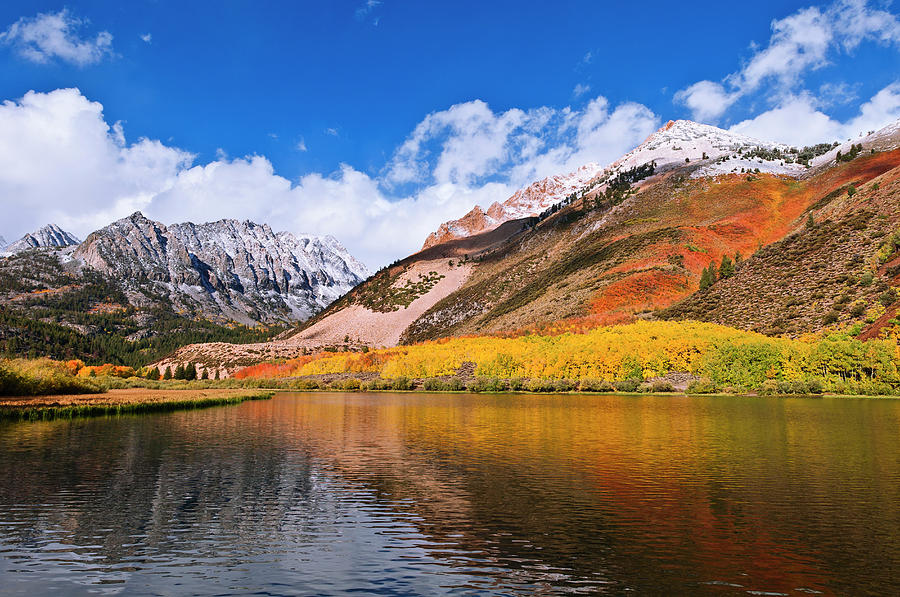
[[683, 141], [530, 201], [50, 236], [229, 269], [677, 143]]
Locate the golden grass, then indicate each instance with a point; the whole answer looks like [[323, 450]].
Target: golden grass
[[120, 401]]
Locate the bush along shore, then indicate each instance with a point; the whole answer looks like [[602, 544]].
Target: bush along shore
[[692, 357], [121, 402]]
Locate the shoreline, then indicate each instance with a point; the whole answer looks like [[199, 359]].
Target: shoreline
[[574, 393], [121, 402]]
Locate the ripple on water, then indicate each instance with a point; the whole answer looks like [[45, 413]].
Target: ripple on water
[[408, 494]]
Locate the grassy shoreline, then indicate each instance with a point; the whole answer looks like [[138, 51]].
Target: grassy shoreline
[[580, 393], [120, 402]]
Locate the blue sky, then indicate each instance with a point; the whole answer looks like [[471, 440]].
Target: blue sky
[[375, 121]]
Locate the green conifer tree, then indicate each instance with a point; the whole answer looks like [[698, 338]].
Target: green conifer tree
[[726, 269], [704, 279]]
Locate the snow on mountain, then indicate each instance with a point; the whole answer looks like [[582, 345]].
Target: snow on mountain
[[228, 269], [677, 144], [681, 142], [50, 235], [884, 139], [530, 201], [2, 242]]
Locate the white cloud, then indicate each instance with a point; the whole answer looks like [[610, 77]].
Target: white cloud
[[331, 131], [707, 100], [147, 38], [580, 89], [301, 145], [366, 9], [60, 161], [468, 143], [800, 42], [799, 121], [55, 35]]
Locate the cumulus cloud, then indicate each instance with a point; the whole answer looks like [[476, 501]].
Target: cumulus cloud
[[62, 162], [49, 36], [799, 43], [580, 89], [799, 121], [147, 38], [707, 100], [469, 143]]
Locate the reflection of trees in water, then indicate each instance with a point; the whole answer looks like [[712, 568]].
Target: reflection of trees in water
[[647, 493], [160, 483], [652, 492]]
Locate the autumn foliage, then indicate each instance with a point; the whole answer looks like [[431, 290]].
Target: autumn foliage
[[644, 349]]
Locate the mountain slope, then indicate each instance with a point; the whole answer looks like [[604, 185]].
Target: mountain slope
[[621, 248], [675, 144], [225, 270], [50, 236], [136, 289], [838, 269]]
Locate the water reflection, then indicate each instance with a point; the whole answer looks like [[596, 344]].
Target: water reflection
[[326, 493]]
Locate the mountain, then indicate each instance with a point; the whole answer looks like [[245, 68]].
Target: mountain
[[675, 144], [2, 241], [633, 243], [137, 289], [527, 202], [840, 268], [226, 270], [50, 236]]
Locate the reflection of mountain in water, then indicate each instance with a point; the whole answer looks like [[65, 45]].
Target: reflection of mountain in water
[[327, 493]]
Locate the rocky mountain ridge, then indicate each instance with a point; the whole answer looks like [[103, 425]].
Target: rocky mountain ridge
[[49, 236], [225, 270]]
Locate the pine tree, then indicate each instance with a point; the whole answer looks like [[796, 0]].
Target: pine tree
[[179, 371], [726, 269], [153, 374], [708, 277], [190, 371], [168, 373], [205, 374], [704, 279], [738, 259], [217, 373]]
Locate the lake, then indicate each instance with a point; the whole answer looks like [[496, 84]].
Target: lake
[[324, 493]]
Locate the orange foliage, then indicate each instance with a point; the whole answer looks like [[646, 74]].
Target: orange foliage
[[107, 370], [74, 366], [739, 214], [641, 291], [272, 370]]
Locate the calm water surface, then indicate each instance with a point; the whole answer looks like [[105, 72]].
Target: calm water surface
[[437, 494]]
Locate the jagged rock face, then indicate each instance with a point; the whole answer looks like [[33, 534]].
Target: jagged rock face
[[669, 148], [50, 236], [229, 269]]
